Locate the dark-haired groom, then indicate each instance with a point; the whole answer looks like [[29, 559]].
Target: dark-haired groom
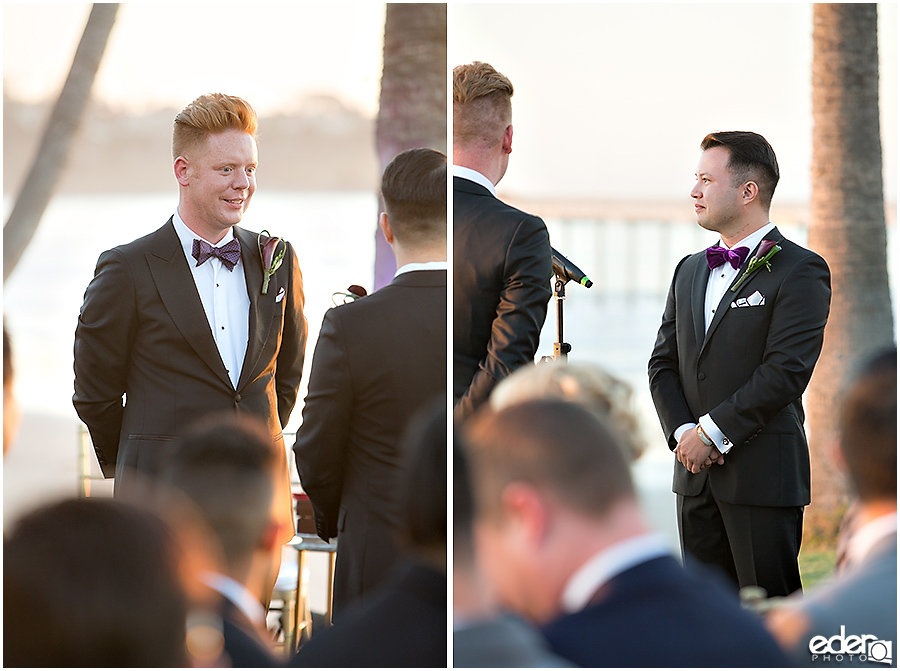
[[741, 333]]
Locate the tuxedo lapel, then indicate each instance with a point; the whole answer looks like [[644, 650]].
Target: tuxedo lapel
[[262, 307], [178, 292], [698, 298], [730, 295]]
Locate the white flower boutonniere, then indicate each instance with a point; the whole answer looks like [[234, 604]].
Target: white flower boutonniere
[[763, 255]]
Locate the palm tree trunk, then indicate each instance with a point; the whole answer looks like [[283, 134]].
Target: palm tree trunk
[[413, 105], [38, 187], [847, 227]]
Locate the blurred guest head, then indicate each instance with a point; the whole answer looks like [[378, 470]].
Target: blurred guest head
[[552, 488], [414, 189], [867, 429], [11, 413], [92, 583], [586, 384], [227, 466]]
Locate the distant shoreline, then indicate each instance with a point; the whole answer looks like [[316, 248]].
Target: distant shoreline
[[649, 210]]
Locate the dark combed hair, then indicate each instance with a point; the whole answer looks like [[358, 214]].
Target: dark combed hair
[[414, 189], [867, 426], [226, 464], [751, 159], [92, 583]]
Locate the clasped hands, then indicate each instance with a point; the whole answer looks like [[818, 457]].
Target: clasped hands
[[695, 455]]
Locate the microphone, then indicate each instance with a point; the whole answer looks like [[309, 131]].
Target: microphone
[[566, 270]]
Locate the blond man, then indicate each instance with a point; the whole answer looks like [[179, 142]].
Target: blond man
[[501, 255], [177, 321]]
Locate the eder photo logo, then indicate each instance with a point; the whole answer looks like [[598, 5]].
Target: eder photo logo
[[862, 648]]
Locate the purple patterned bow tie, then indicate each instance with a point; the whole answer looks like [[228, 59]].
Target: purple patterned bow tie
[[229, 254], [716, 256]]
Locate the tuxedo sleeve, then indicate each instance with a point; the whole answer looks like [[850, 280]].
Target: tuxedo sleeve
[[103, 343], [289, 363], [320, 449], [793, 344], [521, 311], [663, 368]]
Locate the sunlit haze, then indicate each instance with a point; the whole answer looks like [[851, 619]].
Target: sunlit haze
[[162, 54], [611, 100]]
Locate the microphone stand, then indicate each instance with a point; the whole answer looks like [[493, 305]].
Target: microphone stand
[[561, 348]]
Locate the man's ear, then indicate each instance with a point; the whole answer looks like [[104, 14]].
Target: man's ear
[[527, 511], [507, 139], [750, 192], [385, 225], [270, 536], [182, 169]]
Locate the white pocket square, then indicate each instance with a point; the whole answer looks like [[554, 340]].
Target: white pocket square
[[751, 301], [280, 296]]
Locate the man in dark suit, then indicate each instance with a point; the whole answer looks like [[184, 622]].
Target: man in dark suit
[[404, 622], [226, 469], [501, 255], [377, 360], [561, 537], [181, 327], [741, 333]]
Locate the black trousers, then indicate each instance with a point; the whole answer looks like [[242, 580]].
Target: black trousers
[[753, 545]]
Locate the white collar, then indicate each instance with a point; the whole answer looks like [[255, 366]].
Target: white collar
[[426, 265], [187, 236], [239, 595], [604, 565], [868, 536], [752, 241], [474, 176]]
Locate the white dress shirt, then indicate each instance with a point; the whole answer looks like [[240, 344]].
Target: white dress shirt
[[602, 567], [426, 265], [720, 280], [474, 176], [868, 536], [225, 300], [235, 592]]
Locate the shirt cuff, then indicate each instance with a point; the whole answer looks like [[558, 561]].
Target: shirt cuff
[[723, 445], [681, 430]]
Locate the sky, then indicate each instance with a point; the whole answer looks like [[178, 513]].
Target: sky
[[163, 54], [611, 100]]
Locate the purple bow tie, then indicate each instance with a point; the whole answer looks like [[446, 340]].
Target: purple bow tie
[[716, 256], [229, 254]]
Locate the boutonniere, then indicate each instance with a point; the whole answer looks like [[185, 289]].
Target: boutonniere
[[270, 256], [763, 255]]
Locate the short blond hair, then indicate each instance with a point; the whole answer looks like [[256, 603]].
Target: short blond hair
[[482, 106], [209, 114], [584, 384]]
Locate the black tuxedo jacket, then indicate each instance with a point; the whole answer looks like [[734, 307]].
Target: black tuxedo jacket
[[142, 332], [244, 646], [377, 361], [501, 286], [401, 625], [656, 614], [748, 371]]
